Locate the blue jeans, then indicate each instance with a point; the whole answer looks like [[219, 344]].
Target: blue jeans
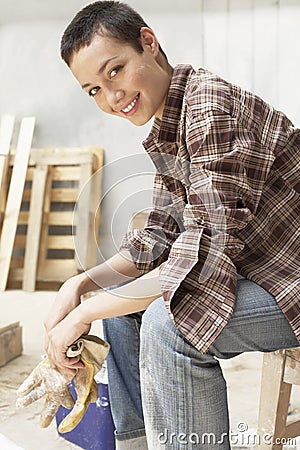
[[164, 393]]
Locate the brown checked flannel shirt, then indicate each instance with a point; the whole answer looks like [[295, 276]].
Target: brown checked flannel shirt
[[226, 201]]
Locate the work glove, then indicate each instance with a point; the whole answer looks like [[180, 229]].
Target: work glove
[[93, 352], [53, 384]]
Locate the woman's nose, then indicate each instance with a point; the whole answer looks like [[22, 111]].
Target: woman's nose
[[114, 97]]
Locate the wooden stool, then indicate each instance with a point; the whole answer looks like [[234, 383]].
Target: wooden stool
[[281, 369]]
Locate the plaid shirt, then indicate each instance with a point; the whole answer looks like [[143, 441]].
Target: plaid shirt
[[226, 201]]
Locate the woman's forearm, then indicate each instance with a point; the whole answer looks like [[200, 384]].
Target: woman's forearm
[[117, 269], [133, 297]]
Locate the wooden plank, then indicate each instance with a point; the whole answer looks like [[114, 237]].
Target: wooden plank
[[60, 218], [16, 274], [272, 413], [66, 173], [294, 353], [81, 217], [52, 270], [23, 218], [40, 285], [54, 218], [66, 195], [54, 242], [292, 368], [26, 195], [10, 343], [93, 191], [61, 242], [95, 203], [60, 156], [44, 233], [5, 328], [20, 241], [29, 174], [15, 197], [98, 159], [292, 429], [6, 131], [281, 413], [16, 263], [34, 227], [94, 215]]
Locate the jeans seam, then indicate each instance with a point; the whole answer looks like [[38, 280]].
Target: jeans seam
[[130, 434]]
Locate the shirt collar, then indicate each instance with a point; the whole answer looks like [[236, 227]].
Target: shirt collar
[[165, 130]]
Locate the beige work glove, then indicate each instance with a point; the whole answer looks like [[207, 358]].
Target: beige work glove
[[93, 352], [53, 384]]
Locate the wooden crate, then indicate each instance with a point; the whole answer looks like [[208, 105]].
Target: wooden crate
[[52, 242], [10, 342]]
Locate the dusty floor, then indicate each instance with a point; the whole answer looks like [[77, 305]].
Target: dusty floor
[[20, 428]]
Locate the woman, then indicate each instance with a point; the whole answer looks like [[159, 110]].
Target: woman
[[216, 268]]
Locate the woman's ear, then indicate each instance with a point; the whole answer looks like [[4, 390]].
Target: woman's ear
[[149, 41]]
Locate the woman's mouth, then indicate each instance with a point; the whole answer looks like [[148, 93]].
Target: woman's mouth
[[131, 107]]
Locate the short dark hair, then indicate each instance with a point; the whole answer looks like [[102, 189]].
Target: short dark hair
[[108, 18]]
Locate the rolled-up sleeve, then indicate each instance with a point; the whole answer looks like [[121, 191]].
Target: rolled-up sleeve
[[151, 246]]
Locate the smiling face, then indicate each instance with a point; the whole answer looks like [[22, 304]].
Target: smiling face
[[122, 81]]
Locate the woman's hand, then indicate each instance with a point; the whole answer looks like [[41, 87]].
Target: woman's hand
[[69, 319], [62, 336], [67, 298], [61, 328]]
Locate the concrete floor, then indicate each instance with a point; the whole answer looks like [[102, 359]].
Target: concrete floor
[[19, 428]]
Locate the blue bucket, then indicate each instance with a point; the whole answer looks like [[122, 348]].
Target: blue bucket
[[96, 429]]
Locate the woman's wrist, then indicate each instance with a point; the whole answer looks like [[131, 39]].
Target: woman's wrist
[[79, 283], [83, 283], [79, 318]]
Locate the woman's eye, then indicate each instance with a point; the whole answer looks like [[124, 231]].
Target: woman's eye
[[93, 91], [114, 72]]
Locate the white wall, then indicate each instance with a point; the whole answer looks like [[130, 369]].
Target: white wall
[[251, 42], [255, 43]]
